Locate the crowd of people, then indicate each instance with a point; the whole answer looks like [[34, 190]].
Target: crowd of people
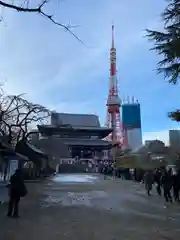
[[167, 183]]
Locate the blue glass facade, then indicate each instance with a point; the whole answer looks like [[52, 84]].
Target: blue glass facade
[[131, 115]]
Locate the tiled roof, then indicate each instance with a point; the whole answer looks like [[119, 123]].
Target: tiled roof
[[34, 148], [76, 120], [85, 142]]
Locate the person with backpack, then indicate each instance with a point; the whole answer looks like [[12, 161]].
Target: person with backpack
[[17, 189]]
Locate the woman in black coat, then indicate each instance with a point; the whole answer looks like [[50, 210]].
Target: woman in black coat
[[17, 189]]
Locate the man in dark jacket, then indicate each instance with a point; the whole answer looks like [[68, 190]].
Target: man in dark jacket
[[176, 185], [16, 190], [157, 179], [167, 185]]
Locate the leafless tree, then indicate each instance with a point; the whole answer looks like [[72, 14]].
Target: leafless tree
[[27, 7], [18, 116]]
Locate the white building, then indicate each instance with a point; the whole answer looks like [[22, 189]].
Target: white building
[[134, 137]]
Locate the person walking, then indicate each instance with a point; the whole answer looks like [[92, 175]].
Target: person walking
[[176, 185], [17, 189], [157, 179], [167, 185], [148, 180]]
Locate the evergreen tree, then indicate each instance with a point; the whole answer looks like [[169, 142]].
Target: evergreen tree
[[167, 45]]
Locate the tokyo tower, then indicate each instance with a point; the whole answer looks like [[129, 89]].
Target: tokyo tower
[[113, 102]]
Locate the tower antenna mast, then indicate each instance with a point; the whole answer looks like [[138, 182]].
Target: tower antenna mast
[[113, 102]]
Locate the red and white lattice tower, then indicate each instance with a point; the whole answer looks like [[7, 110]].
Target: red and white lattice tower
[[114, 102]]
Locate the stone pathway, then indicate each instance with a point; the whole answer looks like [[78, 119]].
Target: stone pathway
[[103, 209]]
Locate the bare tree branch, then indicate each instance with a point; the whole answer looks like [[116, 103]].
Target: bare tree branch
[[67, 28], [39, 9], [18, 115]]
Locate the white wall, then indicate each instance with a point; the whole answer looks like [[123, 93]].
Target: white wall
[[134, 138]]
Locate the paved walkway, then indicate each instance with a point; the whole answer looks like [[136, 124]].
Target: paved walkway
[[87, 207]]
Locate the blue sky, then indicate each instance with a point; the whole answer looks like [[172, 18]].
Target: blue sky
[[54, 69]]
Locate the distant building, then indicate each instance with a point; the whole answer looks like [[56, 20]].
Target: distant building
[[131, 120], [174, 139]]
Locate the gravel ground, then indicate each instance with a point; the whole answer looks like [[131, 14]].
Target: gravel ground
[[92, 208]]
